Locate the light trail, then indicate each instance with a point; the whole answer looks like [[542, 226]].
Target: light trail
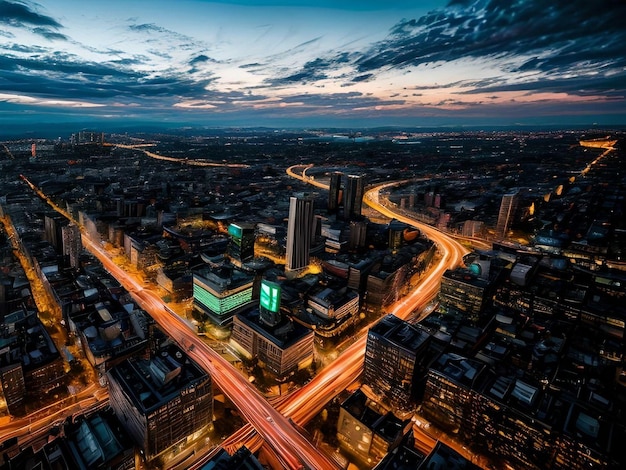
[[183, 161], [305, 403], [294, 450]]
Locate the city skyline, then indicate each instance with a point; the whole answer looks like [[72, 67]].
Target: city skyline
[[312, 64]]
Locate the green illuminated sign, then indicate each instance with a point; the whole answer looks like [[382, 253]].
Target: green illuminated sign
[[270, 296], [234, 230]]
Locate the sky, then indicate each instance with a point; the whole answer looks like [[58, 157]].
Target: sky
[[303, 63]]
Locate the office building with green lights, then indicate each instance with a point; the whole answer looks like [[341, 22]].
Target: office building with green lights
[[220, 292], [281, 345]]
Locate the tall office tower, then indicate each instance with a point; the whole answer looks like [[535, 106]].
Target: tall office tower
[[395, 359], [241, 244], [334, 193], [161, 401], [72, 244], [53, 224], [358, 233], [507, 211], [299, 233], [353, 197]]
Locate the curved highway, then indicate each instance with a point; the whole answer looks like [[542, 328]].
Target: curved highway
[[273, 425], [305, 403]]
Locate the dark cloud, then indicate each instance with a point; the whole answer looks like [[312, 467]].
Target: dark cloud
[[199, 59], [612, 86], [49, 34], [573, 38], [362, 78], [338, 101], [19, 14], [147, 27], [64, 76], [564, 32], [314, 70]]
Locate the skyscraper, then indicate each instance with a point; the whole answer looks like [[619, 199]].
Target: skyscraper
[[353, 197], [334, 193], [72, 244], [507, 211], [299, 232], [241, 245]]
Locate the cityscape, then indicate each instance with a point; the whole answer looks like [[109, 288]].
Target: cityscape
[[242, 234]]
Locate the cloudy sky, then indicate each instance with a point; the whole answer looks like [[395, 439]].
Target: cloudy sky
[[305, 63]]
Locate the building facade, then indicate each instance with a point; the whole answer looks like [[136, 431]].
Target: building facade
[[353, 197], [299, 233], [161, 401], [394, 359], [221, 291]]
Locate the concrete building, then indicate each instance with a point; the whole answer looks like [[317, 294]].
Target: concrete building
[[281, 345], [396, 357], [161, 401], [30, 364], [465, 291], [367, 432]]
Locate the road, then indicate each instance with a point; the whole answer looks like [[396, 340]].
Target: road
[[183, 161], [310, 399], [294, 450], [273, 425], [35, 424]]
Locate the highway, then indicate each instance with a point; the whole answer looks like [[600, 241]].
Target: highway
[[273, 425], [291, 446], [36, 424], [183, 161], [305, 403], [294, 450]]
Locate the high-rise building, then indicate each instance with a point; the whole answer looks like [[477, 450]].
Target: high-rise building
[[334, 193], [508, 207], [53, 226], [72, 244], [464, 290], [161, 401], [396, 233], [30, 364], [220, 292], [395, 359], [358, 233], [241, 244], [353, 197], [368, 432], [299, 233], [13, 387]]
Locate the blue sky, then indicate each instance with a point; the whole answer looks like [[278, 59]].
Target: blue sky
[[306, 63]]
